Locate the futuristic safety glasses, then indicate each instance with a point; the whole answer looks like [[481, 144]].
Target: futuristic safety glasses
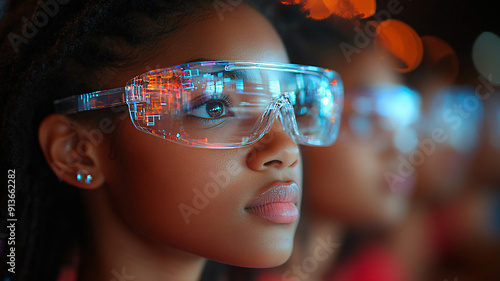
[[226, 104], [457, 112], [378, 109]]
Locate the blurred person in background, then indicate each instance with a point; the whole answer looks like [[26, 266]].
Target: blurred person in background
[[367, 195], [448, 137], [470, 221], [351, 202], [440, 163]]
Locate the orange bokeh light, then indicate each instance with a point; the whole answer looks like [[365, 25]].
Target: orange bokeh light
[[402, 42], [440, 58], [356, 8], [367, 8], [318, 10], [289, 2], [321, 9]]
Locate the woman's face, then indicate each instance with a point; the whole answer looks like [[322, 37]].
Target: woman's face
[[194, 199]]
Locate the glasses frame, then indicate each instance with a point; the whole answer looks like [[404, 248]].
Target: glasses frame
[[133, 92]]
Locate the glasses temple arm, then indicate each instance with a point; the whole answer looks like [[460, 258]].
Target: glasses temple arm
[[90, 101]]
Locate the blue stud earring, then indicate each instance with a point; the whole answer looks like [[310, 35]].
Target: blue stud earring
[[83, 176]]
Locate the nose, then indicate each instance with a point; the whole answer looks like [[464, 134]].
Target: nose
[[275, 150]]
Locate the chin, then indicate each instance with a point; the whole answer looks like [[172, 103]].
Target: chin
[[264, 255], [255, 248], [264, 260]]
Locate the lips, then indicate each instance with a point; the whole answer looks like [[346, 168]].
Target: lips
[[277, 204]]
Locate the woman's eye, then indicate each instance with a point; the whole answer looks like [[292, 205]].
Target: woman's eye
[[210, 110]]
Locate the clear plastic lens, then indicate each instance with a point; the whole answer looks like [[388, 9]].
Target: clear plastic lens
[[385, 108], [458, 112], [223, 105]]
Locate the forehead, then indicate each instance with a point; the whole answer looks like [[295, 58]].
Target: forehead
[[242, 34]]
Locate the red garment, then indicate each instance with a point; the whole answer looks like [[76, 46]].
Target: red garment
[[372, 263], [69, 271], [67, 274]]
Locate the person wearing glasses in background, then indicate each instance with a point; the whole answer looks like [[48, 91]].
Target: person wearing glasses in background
[[353, 195]]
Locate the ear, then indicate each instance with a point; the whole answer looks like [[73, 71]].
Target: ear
[[68, 150]]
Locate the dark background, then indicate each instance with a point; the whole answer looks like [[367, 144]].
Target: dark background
[[458, 23]]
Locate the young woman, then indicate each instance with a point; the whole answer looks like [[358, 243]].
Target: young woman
[[157, 171]]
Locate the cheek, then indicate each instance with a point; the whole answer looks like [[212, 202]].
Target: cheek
[[442, 172], [194, 199], [346, 182], [342, 172], [151, 182]]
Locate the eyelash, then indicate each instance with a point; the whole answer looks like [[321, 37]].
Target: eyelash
[[198, 103]]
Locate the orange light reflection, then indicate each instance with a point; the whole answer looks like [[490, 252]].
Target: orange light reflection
[[321, 9], [440, 58], [402, 42]]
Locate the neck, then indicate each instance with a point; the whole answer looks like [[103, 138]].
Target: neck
[[115, 252]]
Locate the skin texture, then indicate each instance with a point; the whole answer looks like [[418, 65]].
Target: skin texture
[[133, 202], [442, 174]]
